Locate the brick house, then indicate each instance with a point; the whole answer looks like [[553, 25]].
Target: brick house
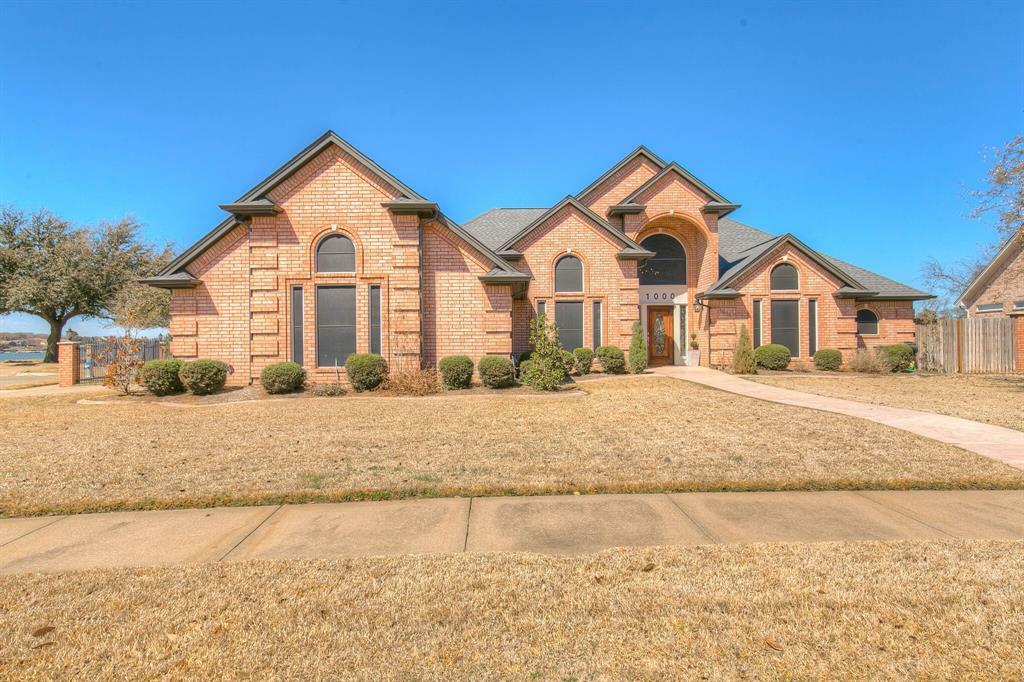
[[998, 290], [331, 254]]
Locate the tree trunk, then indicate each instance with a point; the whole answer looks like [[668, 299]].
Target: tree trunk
[[56, 327]]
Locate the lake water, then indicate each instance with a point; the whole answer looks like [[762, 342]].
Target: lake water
[[21, 356]]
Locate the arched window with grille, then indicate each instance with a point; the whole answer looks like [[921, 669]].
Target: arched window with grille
[[569, 275], [785, 277], [668, 265], [336, 253]]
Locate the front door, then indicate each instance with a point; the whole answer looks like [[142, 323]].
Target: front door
[[659, 335]]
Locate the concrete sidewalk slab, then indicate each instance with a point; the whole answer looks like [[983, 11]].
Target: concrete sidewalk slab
[[123, 539], [359, 529], [799, 517], [12, 529], [577, 524], [984, 514], [995, 442]]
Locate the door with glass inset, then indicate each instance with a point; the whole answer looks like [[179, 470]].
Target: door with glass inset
[[660, 340]]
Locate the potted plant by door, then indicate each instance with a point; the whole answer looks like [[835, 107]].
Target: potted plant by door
[[693, 355]]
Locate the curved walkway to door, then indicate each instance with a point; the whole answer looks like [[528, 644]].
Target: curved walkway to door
[[994, 442]]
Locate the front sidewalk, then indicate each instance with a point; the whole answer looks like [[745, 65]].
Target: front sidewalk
[[555, 525], [994, 442]]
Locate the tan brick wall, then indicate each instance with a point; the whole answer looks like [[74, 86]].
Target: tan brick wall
[[1005, 286], [619, 185], [837, 323], [605, 277], [69, 363]]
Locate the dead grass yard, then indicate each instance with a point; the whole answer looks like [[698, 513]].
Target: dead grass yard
[[622, 435], [925, 610], [987, 398]]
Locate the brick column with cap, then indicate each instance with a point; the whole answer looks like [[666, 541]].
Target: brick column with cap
[[69, 363]]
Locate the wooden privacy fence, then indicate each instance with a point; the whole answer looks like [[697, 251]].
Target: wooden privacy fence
[[967, 345]]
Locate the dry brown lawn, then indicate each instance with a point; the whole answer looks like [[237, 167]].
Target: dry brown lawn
[[928, 610], [992, 399], [30, 369], [621, 435]]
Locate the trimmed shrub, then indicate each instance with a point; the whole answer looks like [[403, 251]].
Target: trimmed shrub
[[524, 367], [203, 377], [456, 372], [282, 377], [828, 359], [637, 350], [612, 359], [772, 356], [867, 361], [366, 371], [898, 357], [496, 371], [545, 370], [413, 382], [327, 390], [584, 360], [160, 377], [569, 361], [743, 361]]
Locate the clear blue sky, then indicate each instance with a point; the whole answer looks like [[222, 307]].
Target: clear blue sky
[[860, 127]]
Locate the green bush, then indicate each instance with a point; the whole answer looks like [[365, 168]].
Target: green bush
[[545, 370], [327, 390], [637, 350], [584, 360], [611, 359], [868, 362], [828, 359], [772, 356], [496, 371], [743, 361], [569, 362], [524, 367], [366, 371], [898, 357], [203, 377], [160, 377], [456, 372], [283, 377]]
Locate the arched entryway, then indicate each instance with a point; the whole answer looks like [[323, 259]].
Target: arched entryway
[[663, 298]]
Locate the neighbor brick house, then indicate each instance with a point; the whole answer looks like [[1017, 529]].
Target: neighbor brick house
[[331, 254], [998, 290]]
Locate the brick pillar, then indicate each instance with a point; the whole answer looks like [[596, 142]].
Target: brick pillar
[[69, 363], [1020, 343]]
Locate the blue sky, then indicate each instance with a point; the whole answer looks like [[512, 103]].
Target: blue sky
[[860, 127]]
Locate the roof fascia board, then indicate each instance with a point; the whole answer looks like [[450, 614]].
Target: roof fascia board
[[685, 174], [981, 277], [807, 251], [205, 242], [639, 151], [318, 145], [575, 203], [475, 243]]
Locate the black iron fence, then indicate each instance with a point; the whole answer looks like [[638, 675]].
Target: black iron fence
[[96, 356]]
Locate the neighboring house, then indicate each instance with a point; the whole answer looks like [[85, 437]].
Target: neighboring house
[[331, 255], [998, 290]]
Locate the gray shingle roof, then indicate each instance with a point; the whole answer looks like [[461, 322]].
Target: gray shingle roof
[[739, 245], [497, 226]]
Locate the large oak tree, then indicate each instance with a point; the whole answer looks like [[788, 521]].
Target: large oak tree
[[53, 270]]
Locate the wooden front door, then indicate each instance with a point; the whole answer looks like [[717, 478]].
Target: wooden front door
[[660, 346]]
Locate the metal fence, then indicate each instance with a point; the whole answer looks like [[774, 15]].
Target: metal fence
[[968, 345], [95, 357]]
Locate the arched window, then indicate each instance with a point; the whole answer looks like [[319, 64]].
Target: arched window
[[867, 322], [336, 253], [569, 274], [668, 265], [785, 278]]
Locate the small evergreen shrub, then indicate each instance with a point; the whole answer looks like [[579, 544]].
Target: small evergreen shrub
[[569, 361], [611, 359], [282, 377], [743, 361], [584, 360], [496, 371], [868, 362], [366, 371], [456, 372], [545, 370], [828, 359], [160, 377], [327, 390], [417, 382], [524, 367], [637, 350], [898, 357], [203, 377], [773, 356]]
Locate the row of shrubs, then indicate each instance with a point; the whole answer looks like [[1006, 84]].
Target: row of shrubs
[[167, 377], [897, 357]]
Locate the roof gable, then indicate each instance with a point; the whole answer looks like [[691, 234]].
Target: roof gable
[[1015, 244], [675, 168], [638, 152], [571, 201]]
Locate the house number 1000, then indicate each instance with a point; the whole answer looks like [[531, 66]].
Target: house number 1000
[[662, 296]]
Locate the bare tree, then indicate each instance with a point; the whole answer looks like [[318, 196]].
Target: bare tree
[[1004, 198]]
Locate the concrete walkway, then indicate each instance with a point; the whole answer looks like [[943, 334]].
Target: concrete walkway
[[995, 442], [556, 525]]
